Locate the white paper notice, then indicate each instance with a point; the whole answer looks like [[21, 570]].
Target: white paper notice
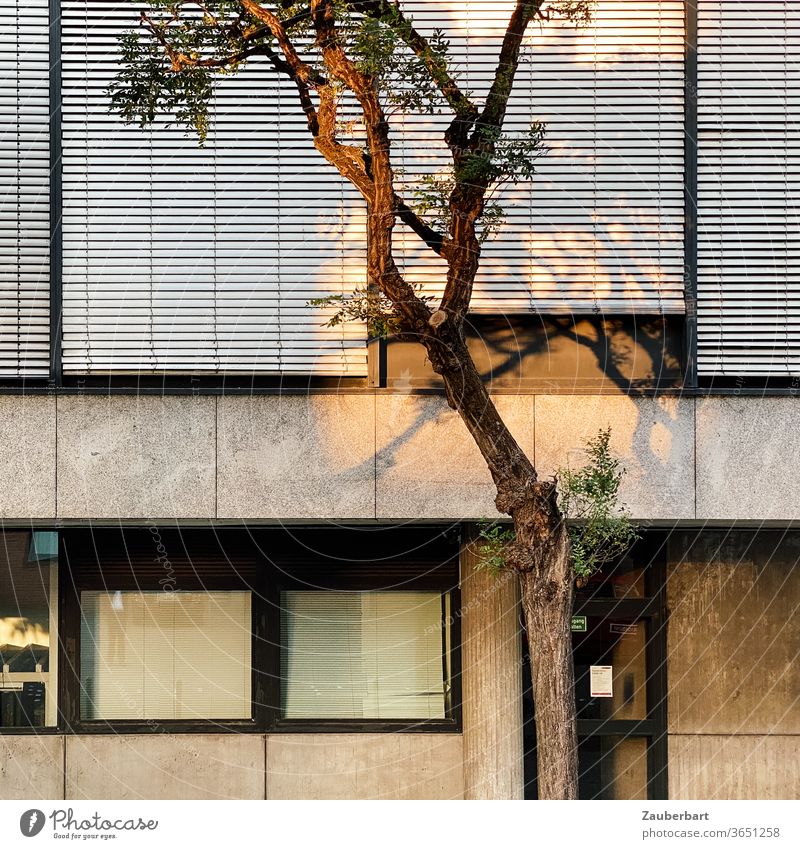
[[601, 682]]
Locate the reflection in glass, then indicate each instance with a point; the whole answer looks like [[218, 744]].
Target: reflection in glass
[[165, 655], [28, 648], [363, 655], [625, 579], [612, 768]]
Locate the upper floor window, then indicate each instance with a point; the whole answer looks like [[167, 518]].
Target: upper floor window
[[25, 192]]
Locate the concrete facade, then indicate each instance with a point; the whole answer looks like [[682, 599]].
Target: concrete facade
[[372, 456], [733, 595], [491, 680], [734, 684], [232, 766]]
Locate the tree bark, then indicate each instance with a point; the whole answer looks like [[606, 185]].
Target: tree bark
[[547, 598], [540, 555]]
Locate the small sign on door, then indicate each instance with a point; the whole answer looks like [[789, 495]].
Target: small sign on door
[[601, 684]]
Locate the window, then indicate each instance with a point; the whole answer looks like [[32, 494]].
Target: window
[[364, 655], [28, 644], [259, 630], [165, 655], [159, 627]]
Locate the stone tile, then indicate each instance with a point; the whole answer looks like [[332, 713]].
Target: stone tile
[[31, 767], [136, 457], [653, 436], [165, 766], [734, 767], [297, 457], [427, 463], [733, 634], [748, 458], [365, 766], [27, 457]]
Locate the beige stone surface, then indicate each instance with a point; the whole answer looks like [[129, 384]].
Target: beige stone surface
[[733, 632], [491, 682], [654, 437], [427, 463], [734, 767], [297, 457], [748, 458], [365, 766], [165, 766], [27, 457], [136, 457], [31, 766]]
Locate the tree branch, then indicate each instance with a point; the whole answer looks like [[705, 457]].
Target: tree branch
[[432, 238], [348, 160], [303, 72], [445, 82], [494, 111]]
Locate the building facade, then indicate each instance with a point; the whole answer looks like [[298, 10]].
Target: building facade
[[238, 550]]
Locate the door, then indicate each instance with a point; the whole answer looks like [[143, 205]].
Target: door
[[618, 646]]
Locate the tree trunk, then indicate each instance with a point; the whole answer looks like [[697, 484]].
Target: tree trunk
[[547, 597], [540, 555]]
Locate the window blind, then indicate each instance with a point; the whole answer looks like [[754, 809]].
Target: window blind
[[180, 259], [748, 188], [600, 228], [162, 655], [368, 655], [25, 168]]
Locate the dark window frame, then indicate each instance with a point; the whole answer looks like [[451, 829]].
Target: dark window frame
[[374, 582], [70, 617], [270, 575]]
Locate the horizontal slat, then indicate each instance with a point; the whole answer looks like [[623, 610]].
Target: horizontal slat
[[24, 189], [232, 240], [749, 188]]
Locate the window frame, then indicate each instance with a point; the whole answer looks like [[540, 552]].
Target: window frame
[[375, 582], [274, 572], [70, 617]]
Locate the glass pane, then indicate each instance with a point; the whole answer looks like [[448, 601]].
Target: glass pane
[[28, 645], [370, 655], [164, 655], [621, 644], [624, 580], [612, 768]]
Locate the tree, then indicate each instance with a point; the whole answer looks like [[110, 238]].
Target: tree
[[368, 52]]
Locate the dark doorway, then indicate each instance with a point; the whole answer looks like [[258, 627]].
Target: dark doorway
[[619, 649]]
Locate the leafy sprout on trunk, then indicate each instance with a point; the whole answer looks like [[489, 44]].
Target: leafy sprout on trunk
[[366, 305], [600, 531]]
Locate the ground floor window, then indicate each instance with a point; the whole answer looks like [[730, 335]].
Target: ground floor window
[[264, 630], [165, 655], [364, 655], [28, 632]]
